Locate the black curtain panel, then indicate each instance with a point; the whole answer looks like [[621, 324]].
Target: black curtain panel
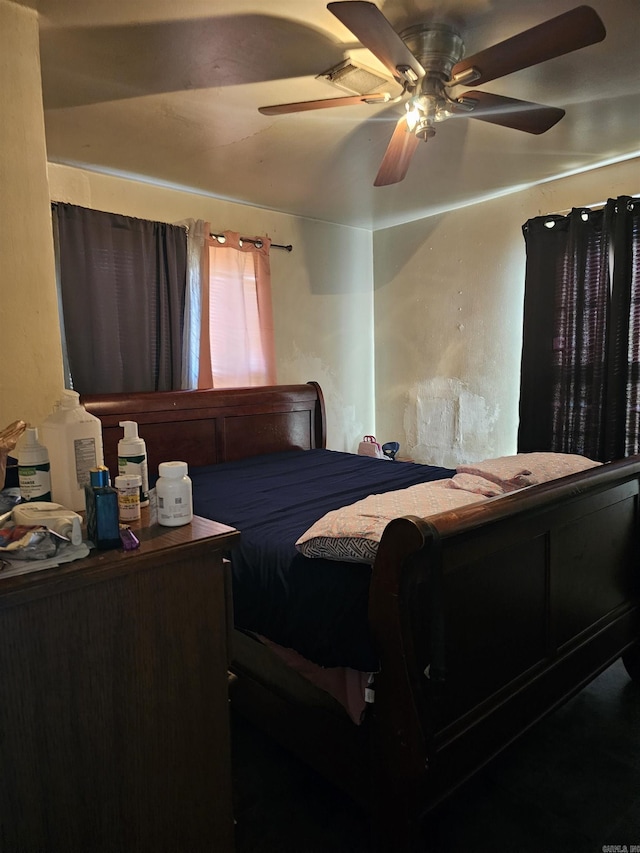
[[545, 239], [122, 285], [622, 421], [579, 376]]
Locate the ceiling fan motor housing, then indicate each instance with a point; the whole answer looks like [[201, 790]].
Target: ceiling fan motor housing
[[437, 47]]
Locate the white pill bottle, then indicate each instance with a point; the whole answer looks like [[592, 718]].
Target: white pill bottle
[[174, 495]]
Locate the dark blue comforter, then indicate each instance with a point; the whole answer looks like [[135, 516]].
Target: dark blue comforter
[[317, 607]]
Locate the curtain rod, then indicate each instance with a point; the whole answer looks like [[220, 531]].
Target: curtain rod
[[258, 242], [597, 206], [566, 212]]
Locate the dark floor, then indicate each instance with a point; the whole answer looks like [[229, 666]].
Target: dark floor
[[571, 785]]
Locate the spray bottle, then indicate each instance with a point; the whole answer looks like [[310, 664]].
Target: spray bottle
[[132, 458]]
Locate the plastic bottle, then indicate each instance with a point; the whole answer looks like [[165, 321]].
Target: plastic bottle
[[128, 489], [173, 491], [101, 504], [34, 469], [73, 438], [132, 458], [55, 517]]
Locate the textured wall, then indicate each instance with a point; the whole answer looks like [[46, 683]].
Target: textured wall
[[30, 352], [322, 295], [448, 316]]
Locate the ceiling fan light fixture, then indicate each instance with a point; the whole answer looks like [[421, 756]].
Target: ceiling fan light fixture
[[442, 114], [413, 116], [422, 111], [424, 129], [357, 79]]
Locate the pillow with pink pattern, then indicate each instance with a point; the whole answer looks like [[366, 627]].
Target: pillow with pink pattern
[[352, 533], [476, 484], [528, 469]]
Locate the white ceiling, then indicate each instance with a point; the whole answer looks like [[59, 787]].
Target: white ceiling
[[170, 90]]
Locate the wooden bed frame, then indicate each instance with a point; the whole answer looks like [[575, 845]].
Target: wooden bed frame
[[484, 619]]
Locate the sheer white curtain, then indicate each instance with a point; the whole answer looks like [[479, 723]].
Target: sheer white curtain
[[197, 274], [229, 319], [240, 349]]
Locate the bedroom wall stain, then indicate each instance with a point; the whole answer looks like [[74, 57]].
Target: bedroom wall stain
[[449, 294], [445, 423], [344, 429]]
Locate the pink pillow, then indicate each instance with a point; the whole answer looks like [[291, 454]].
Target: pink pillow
[[528, 469]]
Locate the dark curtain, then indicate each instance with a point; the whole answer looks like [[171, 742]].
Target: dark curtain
[[579, 376], [622, 425], [122, 284]]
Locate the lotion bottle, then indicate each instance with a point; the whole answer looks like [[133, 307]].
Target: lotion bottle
[[132, 458], [34, 477]]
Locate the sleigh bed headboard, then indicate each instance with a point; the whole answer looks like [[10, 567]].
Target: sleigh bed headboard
[[218, 425]]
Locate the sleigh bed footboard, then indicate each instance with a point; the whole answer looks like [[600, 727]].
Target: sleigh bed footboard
[[489, 617]]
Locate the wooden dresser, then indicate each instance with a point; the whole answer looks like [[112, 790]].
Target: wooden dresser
[[114, 731]]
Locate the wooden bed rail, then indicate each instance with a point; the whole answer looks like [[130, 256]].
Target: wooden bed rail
[[533, 499]]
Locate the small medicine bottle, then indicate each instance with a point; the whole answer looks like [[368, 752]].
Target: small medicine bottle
[[128, 488], [173, 491]]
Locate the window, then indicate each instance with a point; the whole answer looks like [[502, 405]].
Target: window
[[236, 326], [580, 381]]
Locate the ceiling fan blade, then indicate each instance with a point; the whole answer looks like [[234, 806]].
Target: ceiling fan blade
[[398, 155], [374, 31], [509, 112], [324, 103], [570, 31]]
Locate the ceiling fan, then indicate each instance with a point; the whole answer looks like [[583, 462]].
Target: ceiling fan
[[426, 60]]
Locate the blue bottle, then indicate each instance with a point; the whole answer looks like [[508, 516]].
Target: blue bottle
[[101, 500]]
